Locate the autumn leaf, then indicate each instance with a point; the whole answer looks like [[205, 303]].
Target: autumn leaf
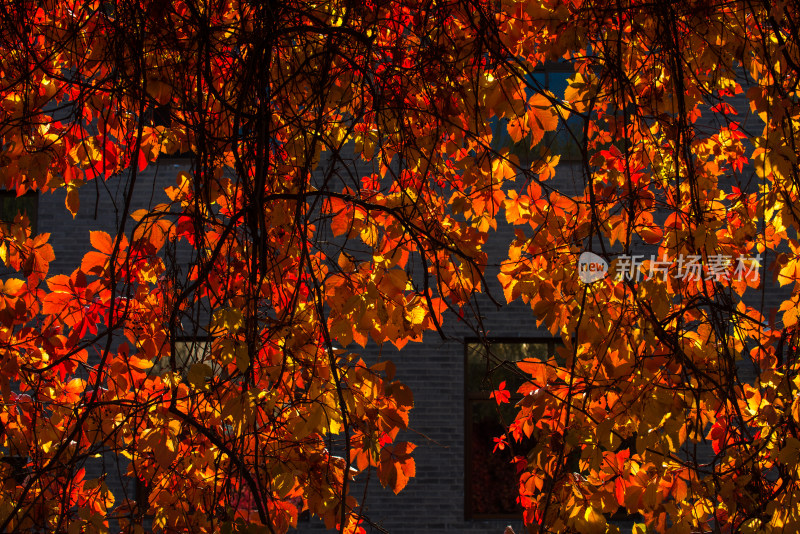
[[94, 262], [342, 219], [72, 201], [353, 201], [541, 117], [397, 465], [501, 394], [39, 256]]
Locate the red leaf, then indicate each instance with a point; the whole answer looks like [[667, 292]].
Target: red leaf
[[619, 491], [501, 395], [520, 463], [724, 108], [142, 160]]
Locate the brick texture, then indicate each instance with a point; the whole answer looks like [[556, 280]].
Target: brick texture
[[434, 369]]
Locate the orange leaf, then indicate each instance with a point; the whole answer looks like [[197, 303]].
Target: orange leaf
[[341, 216], [651, 234], [542, 117], [101, 241], [72, 201], [397, 465]]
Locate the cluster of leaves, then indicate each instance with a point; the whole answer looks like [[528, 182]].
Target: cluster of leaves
[[269, 252], [677, 397], [342, 186]]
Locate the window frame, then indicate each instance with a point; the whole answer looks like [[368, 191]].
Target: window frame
[[563, 131], [34, 221], [473, 397], [184, 362], [547, 69], [142, 487], [160, 115]]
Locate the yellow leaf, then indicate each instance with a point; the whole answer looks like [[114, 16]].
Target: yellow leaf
[[417, 315], [342, 331], [517, 129], [398, 278], [579, 92], [282, 483], [230, 319], [511, 287], [502, 170], [369, 235], [796, 410], [139, 364], [138, 215], [166, 452], [11, 286], [594, 521], [789, 272]]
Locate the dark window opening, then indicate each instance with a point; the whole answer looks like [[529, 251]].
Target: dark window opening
[[491, 488], [565, 141], [17, 466], [12, 205], [161, 115]]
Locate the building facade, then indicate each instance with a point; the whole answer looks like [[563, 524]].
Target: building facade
[[461, 483]]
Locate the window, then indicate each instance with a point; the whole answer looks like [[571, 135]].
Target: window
[[17, 466], [161, 115], [488, 493], [27, 204], [188, 351], [564, 141]]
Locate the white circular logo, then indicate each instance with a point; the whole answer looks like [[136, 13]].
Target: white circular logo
[[591, 267]]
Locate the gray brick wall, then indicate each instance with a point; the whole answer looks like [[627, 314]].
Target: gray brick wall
[[434, 369], [101, 208], [434, 499]]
